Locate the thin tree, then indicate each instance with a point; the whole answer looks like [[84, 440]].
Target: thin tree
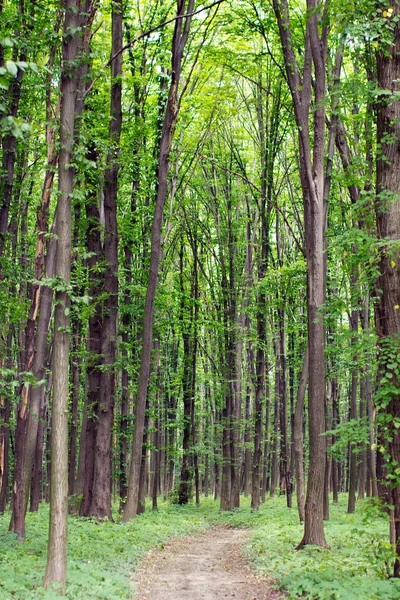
[[180, 36]]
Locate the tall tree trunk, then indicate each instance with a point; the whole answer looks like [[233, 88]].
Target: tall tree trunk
[[143, 467], [265, 480], [292, 466], [37, 471], [125, 408], [75, 369], [335, 423], [186, 471], [351, 505], [275, 445], [195, 343], [228, 363], [87, 448], [172, 417], [312, 182], [388, 226], [247, 441], [74, 413], [56, 569], [327, 481], [157, 427], [100, 505], [181, 32]]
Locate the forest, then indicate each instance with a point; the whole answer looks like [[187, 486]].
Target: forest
[[200, 296]]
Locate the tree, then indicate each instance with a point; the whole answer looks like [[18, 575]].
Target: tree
[[312, 183], [56, 569], [97, 496], [388, 228], [180, 36]]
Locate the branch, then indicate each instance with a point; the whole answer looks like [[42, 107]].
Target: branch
[[255, 187], [149, 32]]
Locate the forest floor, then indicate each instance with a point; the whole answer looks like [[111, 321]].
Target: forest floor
[[205, 566], [190, 543]]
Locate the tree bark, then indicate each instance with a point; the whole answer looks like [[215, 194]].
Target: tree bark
[[298, 437]]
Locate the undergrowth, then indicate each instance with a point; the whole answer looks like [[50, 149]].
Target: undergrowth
[[102, 556], [357, 566]]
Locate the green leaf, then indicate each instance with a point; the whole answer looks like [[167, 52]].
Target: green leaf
[[11, 67]]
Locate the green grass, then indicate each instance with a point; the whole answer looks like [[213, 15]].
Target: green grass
[[102, 556], [355, 568]]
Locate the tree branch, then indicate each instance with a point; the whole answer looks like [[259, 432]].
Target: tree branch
[[149, 32]]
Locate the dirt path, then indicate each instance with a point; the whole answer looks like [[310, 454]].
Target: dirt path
[[206, 566]]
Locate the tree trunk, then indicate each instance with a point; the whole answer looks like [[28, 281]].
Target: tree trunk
[[5, 413], [312, 182], [56, 569], [388, 226], [125, 405], [37, 472], [186, 471], [100, 505], [181, 32], [298, 437], [335, 423], [265, 481], [143, 467], [87, 446], [351, 505], [283, 410], [363, 455], [9, 146], [247, 451], [195, 343], [275, 445], [157, 427], [75, 369], [371, 454]]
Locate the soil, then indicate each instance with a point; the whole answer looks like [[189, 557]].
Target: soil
[[206, 566]]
